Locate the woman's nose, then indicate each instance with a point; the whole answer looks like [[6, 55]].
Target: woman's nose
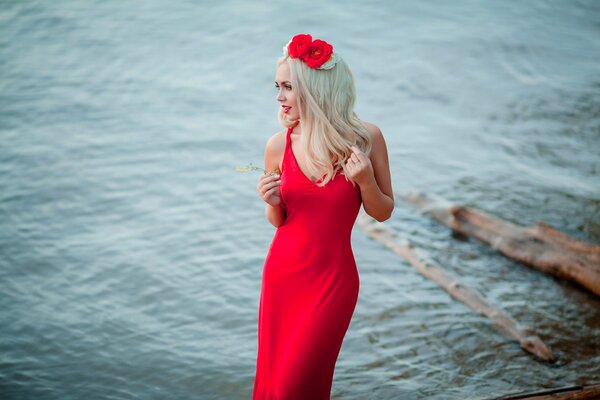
[[280, 96]]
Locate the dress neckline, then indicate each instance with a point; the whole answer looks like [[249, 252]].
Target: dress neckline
[[289, 142]]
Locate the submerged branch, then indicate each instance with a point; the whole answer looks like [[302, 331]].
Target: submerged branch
[[540, 246], [529, 341]]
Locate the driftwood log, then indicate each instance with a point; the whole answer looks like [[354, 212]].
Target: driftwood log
[[540, 246], [529, 341], [589, 392]]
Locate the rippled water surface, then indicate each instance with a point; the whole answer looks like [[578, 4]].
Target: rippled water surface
[[131, 252]]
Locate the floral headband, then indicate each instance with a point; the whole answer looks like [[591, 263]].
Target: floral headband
[[317, 54]]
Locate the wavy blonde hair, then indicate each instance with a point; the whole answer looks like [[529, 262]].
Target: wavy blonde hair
[[327, 118]]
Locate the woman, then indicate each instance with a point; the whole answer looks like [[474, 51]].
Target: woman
[[310, 281]]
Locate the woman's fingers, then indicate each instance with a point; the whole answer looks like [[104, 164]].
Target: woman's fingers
[[265, 180], [271, 192], [358, 155], [268, 178], [354, 161], [359, 166], [273, 196], [268, 186]]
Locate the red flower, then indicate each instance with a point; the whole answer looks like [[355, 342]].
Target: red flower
[[299, 45], [317, 54]]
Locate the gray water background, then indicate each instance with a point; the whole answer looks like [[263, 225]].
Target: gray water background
[[131, 252]]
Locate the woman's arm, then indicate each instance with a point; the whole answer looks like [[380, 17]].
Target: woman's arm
[[372, 174], [268, 185]]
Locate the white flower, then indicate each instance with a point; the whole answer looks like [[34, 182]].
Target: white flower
[[285, 48], [331, 62]]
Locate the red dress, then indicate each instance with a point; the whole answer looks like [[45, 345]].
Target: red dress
[[309, 286]]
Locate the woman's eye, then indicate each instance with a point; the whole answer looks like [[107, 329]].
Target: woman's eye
[[288, 87]]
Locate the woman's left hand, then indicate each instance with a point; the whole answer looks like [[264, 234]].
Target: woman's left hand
[[359, 166]]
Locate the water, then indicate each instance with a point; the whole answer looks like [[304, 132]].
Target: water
[[131, 252]]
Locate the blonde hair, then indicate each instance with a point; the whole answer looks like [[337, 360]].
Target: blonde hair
[[327, 118]]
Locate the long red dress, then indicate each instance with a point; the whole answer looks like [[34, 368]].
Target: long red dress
[[309, 286]]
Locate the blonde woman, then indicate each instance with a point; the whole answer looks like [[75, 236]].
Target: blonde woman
[[327, 162]]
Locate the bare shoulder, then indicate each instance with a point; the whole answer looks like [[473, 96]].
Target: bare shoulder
[[274, 151], [276, 143], [373, 130]]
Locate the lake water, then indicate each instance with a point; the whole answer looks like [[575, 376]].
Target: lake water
[[131, 252]]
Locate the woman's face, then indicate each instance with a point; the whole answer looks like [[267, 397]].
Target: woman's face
[[285, 94]]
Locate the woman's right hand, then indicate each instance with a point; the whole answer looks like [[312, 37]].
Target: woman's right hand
[[268, 188]]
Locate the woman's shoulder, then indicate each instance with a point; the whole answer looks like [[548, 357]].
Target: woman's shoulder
[[276, 143], [373, 129], [378, 146], [274, 151]]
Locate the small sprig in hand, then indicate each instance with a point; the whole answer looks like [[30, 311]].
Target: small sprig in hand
[[252, 167]]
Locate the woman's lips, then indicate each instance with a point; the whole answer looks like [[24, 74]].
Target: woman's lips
[[286, 109]]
